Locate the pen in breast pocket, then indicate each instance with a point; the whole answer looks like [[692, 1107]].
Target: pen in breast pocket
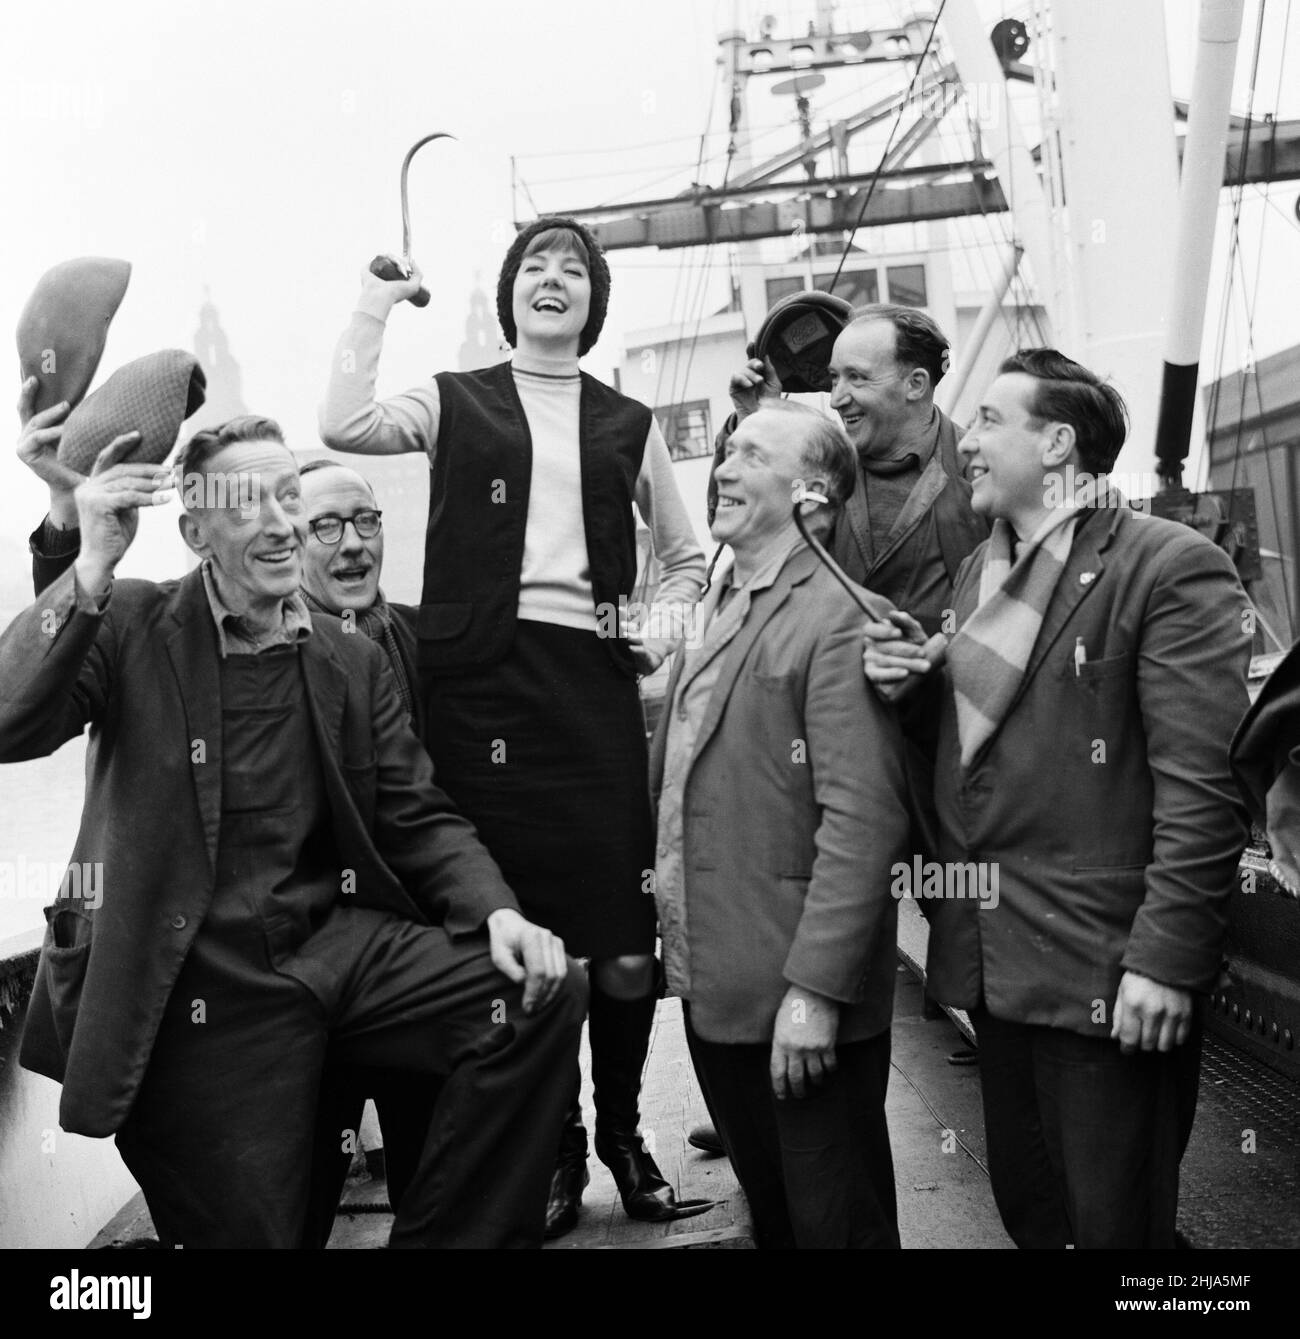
[[1080, 656]]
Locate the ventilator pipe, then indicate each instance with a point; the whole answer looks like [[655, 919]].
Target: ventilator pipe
[[1198, 210], [950, 388]]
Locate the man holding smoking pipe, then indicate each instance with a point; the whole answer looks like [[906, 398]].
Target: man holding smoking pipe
[[906, 526], [779, 782]]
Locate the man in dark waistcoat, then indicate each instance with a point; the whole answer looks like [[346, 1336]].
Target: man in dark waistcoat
[[279, 873]]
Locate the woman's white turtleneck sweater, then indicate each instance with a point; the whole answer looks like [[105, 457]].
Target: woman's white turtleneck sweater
[[555, 580]]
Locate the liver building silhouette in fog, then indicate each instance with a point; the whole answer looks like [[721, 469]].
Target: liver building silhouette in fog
[[483, 346], [225, 397]]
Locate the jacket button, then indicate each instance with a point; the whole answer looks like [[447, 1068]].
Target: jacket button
[[178, 922]]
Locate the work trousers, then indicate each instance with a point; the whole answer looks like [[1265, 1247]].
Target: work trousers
[[1084, 1142], [220, 1136], [817, 1171], [404, 1104]]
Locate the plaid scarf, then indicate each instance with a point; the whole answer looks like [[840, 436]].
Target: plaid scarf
[[990, 652], [377, 623]]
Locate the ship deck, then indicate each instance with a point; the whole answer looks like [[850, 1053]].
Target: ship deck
[[1240, 1176]]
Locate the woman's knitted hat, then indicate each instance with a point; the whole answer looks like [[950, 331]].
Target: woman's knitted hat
[[597, 270]]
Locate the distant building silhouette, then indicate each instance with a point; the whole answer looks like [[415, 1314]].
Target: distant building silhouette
[[225, 395], [483, 343]]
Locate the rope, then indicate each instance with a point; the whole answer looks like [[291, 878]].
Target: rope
[[889, 144]]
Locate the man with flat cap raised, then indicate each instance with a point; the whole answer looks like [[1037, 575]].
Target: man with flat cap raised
[[279, 873], [342, 564], [908, 525]]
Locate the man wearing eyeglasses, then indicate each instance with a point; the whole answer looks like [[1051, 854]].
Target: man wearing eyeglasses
[[341, 567], [342, 564]]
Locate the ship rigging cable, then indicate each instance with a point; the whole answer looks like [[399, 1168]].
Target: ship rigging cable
[[889, 143]]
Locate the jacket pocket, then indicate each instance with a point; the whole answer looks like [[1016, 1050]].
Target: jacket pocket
[[66, 953], [1093, 671]]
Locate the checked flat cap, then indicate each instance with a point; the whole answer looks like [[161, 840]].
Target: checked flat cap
[[153, 396]]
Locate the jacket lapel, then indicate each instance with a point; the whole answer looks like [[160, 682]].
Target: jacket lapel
[[850, 543], [659, 744], [704, 612], [327, 692], [694, 659], [1082, 571], [193, 652], [927, 488], [798, 568], [1085, 561]]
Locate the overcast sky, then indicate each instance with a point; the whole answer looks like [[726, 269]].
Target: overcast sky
[[250, 151]]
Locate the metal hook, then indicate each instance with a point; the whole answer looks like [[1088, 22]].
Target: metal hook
[[386, 267]]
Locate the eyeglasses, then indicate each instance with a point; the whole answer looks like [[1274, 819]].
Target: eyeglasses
[[329, 529]]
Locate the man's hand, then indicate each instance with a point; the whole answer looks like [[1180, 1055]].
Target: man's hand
[[38, 449], [648, 653], [108, 504], [894, 654], [380, 296], [525, 952], [1150, 1016], [754, 383], [803, 1042]]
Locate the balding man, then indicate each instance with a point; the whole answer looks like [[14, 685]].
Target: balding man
[[907, 526], [780, 809]]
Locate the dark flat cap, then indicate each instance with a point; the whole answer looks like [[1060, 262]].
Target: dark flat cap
[[64, 326], [153, 396], [798, 335]]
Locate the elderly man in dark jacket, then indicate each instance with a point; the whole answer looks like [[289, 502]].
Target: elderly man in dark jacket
[[279, 873], [342, 562]]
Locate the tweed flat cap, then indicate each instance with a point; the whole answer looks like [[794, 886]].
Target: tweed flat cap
[[64, 326], [153, 396]]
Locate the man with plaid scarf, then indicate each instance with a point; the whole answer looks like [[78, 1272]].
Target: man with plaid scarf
[[1083, 718]]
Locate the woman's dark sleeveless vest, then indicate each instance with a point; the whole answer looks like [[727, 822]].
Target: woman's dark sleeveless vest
[[478, 511]]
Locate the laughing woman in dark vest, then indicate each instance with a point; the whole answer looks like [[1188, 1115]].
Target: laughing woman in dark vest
[[532, 712]]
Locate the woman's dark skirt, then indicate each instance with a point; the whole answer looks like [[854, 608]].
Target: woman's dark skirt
[[545, 753]]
